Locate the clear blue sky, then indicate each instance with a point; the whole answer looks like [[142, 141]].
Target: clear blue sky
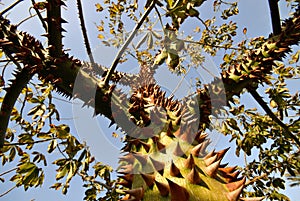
[[254, 14]]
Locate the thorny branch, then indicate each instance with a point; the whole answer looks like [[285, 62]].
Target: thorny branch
[[54, 32]]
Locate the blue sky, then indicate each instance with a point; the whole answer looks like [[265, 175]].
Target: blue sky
[[254, 14]]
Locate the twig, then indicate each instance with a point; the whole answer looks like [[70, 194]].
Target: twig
[[84, 177], [6, 192], [8, 171], [27, 143], [217, 46], [10, 7], [127, 42], [266, 108], [206, 27], [24, 20], [179, 83], [255, 179], [275, 16], [39, 15], [160, 19], [84, 33], [23, 103]]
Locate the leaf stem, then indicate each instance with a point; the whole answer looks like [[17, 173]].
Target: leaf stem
[[127, 42], [26, 143], [8, 171], [8, 191], [266, 108]]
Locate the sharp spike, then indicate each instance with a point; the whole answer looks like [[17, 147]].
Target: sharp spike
[[228, 170], [235, 185], [149, 179], [188, 135], [234, 195], [174, 171], [223, 165], [203, 150], [169, 131], [211, 170], [178, 193], [222, 153], [178, 151], [210, 154], [196, 150], [210, 160], [127, 177], [141, 158], [159, 166], [146, 146], [193, 176], [161, 147], [234, 175], [128, 158], [162, 188], [178, 120], [201, 137], [189, 162], [125, 183], [126, 169]]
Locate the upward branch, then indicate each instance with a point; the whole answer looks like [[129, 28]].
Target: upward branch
[[84, 33], [275, 16], [54, 34], [128, 41]]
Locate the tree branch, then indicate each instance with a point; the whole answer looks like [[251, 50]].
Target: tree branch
[[39, 15], [10, 7], [27, 143], [84, 33], [255, 179], [54, 33], [11, 96], [127, 42], [8, 171], [275, 16], [269, 112], [8, 191]]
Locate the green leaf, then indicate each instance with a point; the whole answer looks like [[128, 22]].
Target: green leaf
[[12, 154], [31, 177], [52, 146], [56, 186], [44, 136], [26, 167], [62, 171]]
